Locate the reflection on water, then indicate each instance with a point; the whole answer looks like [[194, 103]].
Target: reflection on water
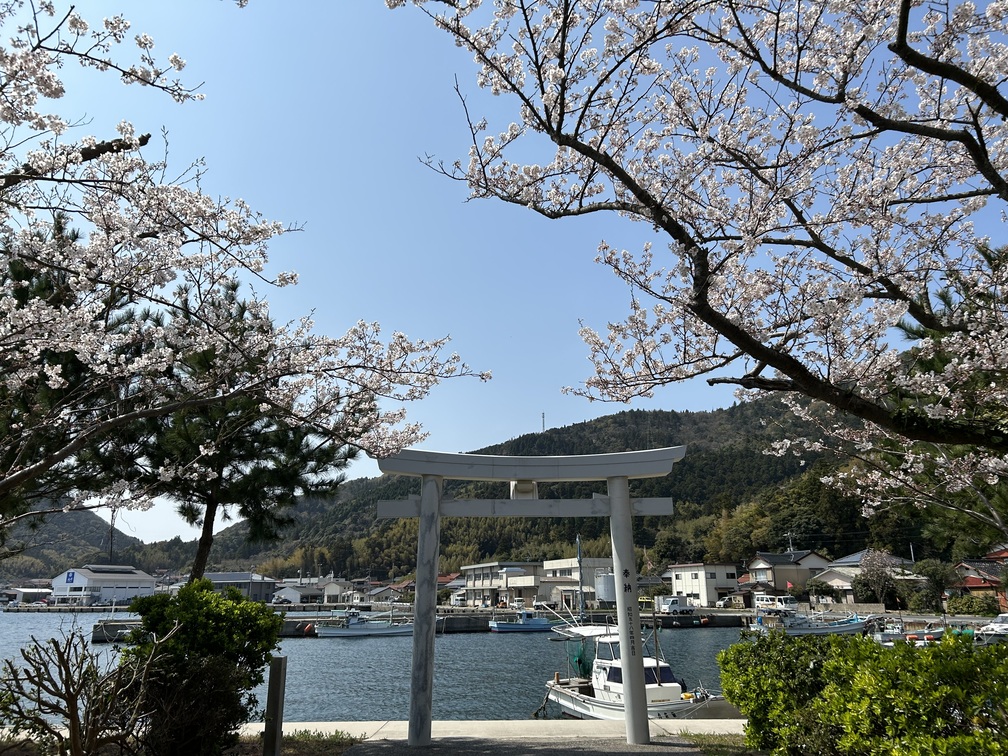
[[476, 675]]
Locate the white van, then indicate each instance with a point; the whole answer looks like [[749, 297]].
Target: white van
[[764, 601]]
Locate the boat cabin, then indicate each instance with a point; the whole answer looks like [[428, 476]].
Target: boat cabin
[[607, 674]]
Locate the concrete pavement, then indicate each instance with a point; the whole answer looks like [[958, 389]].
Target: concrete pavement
[[536, 737]]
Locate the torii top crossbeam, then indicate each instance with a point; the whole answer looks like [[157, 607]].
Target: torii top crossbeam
[[650, 463]]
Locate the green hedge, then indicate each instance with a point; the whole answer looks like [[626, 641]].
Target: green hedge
[[848, 695]]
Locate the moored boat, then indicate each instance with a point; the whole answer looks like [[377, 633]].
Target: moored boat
[[890, 631], [523, 621], [596, 691], [351, 624], [803, 624], [995, 631]]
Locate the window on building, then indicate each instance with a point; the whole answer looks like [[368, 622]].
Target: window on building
[[694, 575], [730, 576], [712, 576], [678, 576]]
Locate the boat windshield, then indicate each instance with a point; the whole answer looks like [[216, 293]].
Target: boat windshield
[[652, 676], [607, 651]]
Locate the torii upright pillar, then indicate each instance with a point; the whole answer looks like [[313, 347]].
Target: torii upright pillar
[[524, 473]]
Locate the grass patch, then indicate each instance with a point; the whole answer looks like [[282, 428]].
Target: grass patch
[[720, 745], [299, 743]]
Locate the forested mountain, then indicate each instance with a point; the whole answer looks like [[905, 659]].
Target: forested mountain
[[59, 542], [730, 499]]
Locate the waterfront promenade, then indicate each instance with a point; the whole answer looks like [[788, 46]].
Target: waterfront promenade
[[537, 737]]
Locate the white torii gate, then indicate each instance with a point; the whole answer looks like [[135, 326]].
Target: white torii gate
[[524, 473]]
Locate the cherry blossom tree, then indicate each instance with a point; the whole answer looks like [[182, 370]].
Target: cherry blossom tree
[[112, 274], [825, 182]]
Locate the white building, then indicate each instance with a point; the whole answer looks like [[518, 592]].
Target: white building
[[101, 584], [702, 584], [493, 583], [565, 582]]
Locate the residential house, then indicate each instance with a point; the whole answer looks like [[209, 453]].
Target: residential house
[[249, 584], [336, 590], [983, 577], [840, 574], [702, 584], [294, 593], [383, 594], [100, 584], [778, 573], [454, 583]]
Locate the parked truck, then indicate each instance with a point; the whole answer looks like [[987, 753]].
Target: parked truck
[[672, 605]]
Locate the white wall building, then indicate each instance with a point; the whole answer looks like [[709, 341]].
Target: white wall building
[[701, 584], [564, 579], [493, 583], [101, 584]]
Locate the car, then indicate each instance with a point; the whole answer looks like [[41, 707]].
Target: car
[[723, 603]]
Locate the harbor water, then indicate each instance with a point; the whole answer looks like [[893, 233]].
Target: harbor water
[[476, 675]]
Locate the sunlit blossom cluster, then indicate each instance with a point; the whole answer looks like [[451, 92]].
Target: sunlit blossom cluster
[[146, 273], [820, 175]]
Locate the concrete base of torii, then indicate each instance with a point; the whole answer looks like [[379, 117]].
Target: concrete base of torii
[[524, 473]]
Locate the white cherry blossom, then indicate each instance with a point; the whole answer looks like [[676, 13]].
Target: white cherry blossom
[[148, 279], [820, 175]]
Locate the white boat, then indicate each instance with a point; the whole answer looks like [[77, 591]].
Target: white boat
[[803, 624], [597, 692], [351, 624], [888, 632], [523, 621], [995, 631]]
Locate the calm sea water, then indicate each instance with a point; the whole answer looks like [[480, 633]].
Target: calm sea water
[[476, 675]]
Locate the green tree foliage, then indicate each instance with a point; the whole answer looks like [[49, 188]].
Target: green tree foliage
[[235, 455], [847, 695], [215, 651], [980, 606], [940, 575]]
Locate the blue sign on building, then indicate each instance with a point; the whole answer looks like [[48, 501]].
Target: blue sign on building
[[70, 576]]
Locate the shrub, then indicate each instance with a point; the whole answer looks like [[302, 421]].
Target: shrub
[[984, 606], [215, 653], [924, 601], [770, 678], [858, 697], [66, 699]]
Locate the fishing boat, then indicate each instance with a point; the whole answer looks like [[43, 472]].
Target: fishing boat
[[594, 689], [351, 624], [820, 624], [890, 631], [995, 631], [523, 621]]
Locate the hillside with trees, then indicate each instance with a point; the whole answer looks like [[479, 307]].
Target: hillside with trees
[[730, 499]]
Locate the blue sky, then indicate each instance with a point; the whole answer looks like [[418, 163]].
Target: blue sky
[[317, 114]]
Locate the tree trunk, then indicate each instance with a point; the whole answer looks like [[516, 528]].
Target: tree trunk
[[205, 542]]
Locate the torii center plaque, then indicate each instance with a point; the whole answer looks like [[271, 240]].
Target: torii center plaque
[[524, 473]]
